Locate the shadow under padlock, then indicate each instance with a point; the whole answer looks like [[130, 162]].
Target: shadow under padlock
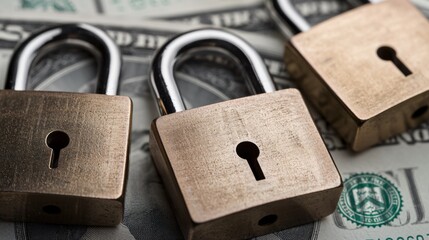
[[243, 167], [362, 70], [64, 156]]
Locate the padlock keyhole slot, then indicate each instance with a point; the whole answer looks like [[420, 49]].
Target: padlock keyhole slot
[[250, 152], [56, 140], [267, 220], [420, 112], [389, 54], [51, 209]]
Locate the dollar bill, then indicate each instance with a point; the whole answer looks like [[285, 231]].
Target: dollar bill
[[246, 15], [392, 175]]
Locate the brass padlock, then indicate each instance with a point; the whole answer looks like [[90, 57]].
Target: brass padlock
[[243, 167], [64, 156], [365, 70]]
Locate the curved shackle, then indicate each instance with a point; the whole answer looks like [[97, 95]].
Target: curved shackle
[[162, 81], [290, 21], [110, 61]]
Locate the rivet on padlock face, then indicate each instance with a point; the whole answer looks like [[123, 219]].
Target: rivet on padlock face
[[368, 80], [64, 156], [243, 167]]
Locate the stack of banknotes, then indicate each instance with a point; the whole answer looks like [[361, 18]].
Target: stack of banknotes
[[139, 27]]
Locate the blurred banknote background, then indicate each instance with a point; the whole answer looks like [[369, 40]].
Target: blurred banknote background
[[139, 27]]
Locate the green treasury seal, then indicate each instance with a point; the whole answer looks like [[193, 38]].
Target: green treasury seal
[[369, 200]]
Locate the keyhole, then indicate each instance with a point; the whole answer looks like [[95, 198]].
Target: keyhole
[[389, 54], [51, 209], [250, 152], [56, 140]]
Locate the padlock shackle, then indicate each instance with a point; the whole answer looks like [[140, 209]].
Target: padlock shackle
[[110, 61], [162, 81], [286, 17], [289, 21]]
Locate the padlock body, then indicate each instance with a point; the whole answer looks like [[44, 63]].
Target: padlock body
[[343, 68], [88, 184], [213, 190]]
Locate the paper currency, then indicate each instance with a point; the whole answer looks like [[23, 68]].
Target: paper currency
[[392, 176], [141, 8], [246, 15]]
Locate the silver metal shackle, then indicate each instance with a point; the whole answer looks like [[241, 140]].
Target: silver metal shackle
[[162, 81], [110, 62], [289, 21]]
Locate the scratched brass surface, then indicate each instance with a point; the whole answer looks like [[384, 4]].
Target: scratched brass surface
[[366, 98], [213, 190], [88, 185]]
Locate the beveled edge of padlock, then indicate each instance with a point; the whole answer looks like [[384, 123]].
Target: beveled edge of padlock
[[2, 91], [130, 104], [314, 74], [306, 77], [125, 173], [169, 180]]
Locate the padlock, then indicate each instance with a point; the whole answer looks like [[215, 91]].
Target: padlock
[[365, 70], [64, 156], [243, 167]]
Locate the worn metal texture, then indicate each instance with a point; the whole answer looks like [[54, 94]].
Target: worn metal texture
[[373, 82], [86, 183], [213, 190]]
